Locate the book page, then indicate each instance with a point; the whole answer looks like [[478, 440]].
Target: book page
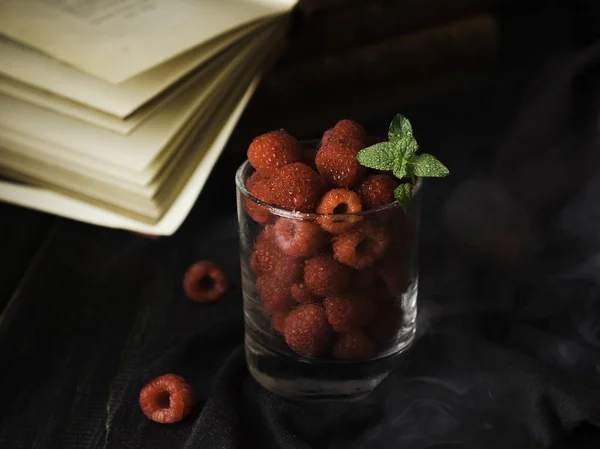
[[35, 69], [117, 39], [62, 205]]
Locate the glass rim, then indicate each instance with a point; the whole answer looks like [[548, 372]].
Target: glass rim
[[286, 213]]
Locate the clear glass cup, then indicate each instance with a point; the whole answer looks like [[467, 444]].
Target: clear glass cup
[[364, 313]]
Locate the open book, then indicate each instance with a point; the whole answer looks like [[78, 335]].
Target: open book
[[125, 138]]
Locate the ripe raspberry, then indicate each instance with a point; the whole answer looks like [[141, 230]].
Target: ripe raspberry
[[278, 321], [267, 258], [302, 294], [299, 238], [353, 345], [346, 130], [275, 294], [360, 247], [339, 201], [377, 191], [326, 137], [324, 276], [336, 162], [258, 187], [296, 187], [167, 399], [387, 322], [205, 282], [307, 330], [346, 313], [271, 151]]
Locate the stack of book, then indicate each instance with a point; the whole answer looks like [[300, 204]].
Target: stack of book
[[114, 112]]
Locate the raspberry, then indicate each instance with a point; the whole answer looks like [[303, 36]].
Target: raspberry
[[278, 321], [269, 152], [377, 191], [258, 187], [360, 247], [324, 276], [346, 130], [274, 293], [346, 313], [337, 164], [339, 201], [353, 345], [386, 324], [302, 294], [307, 330], [205, 282], [267, 258], [299, 238], [167, 399], [326, 137], [296, 187], [396, 276]]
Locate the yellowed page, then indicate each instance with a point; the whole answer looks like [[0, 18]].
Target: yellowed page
[[62, 205], [35, 69], [135, 151], [117, 39]]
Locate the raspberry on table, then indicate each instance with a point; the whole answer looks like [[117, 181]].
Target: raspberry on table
[[269, 152], [258, 187], [324, 276], [167, 399], [205, 281], [347, 313], [360, 247], [339, 201], [299, 238], [278, 321], [336, 162], [275, 294], [347, 130], [307, 330], [296, 187], [267, 258], [302, 294], [353, 345], [377, 191]]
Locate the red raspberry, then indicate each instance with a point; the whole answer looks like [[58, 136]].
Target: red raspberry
[[324, 276], [387, 322], [345, 130], [339, 201], [302, 294], [267, 258], [326, 137], [336, 162], [278, 321], [205, 282], [299, 238], [269, 152], [296, 187], [258, 187], [307, 330], [396, 276], [167, 399], [360, 247], [377, 191], [353, 345], [346, 313], [275, 294]]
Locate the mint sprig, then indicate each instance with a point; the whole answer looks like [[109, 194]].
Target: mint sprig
[[399, 155]]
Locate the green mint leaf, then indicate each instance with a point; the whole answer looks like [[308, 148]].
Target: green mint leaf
[[403, 194], [400, 127], [380, 156], [428, 166], [400, 168], [405, 147]]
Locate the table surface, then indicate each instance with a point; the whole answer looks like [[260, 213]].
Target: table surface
[[87, 309]]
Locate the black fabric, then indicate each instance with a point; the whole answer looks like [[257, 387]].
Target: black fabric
[[508, 354]]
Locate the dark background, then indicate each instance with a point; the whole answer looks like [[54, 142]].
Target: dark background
[[509, 351]]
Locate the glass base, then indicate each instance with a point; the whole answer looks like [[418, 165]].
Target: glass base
[[308, 379]]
